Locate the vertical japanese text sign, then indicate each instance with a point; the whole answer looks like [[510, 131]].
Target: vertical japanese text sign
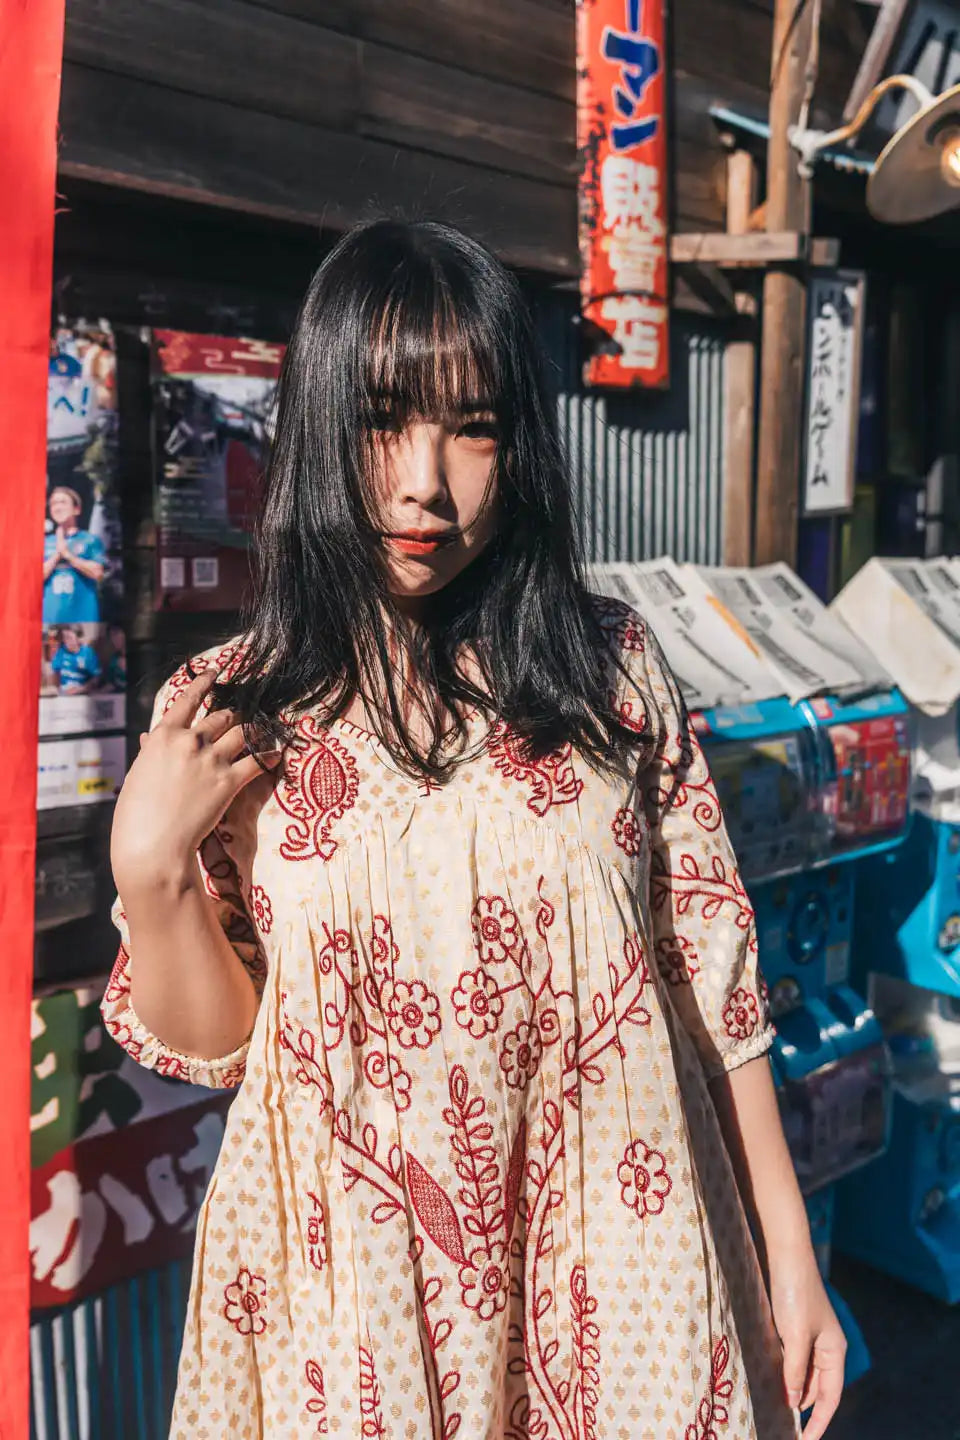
[[835, 308], [622, 144]]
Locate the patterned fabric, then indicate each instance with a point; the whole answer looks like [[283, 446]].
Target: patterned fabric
[[472, 1181]]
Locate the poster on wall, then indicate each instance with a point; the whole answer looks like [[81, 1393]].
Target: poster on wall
[[83, 663], [622, 197], [120, 1156], [836, 304], [213, 400]]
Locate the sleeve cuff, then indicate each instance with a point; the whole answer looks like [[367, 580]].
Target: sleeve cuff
[[757, 1045], [124, 1026]]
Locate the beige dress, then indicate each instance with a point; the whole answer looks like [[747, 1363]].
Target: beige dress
[[472, 1182]]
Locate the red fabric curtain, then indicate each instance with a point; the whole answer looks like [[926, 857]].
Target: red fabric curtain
[[31, 48]]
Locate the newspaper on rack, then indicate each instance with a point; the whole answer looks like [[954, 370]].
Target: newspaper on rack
[[714, 661], [907, 612], [811, 650]]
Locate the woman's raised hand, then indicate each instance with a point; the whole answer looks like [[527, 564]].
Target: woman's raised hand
[[183, 780]]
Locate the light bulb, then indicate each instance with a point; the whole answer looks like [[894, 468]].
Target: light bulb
[[950, 157]]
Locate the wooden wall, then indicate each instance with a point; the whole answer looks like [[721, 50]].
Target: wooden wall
[[323, 111]]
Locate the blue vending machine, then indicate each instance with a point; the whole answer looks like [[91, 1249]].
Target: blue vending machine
[[808, 789], [902, 1214]]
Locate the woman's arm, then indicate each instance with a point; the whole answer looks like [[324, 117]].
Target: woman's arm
[[813, 1343], [188, 985]]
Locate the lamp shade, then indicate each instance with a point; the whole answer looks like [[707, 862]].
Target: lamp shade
[[917, 175]]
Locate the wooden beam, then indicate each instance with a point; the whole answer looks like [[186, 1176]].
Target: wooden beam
[[740, 383], [755, 250], [783, 350], [883, 37], [193, 148]]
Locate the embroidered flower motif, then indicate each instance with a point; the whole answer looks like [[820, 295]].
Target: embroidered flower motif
[[172, 1067], [741, 1015], [385, 1070], [677, 959], [644, 1182], [496, 931], [262, 909], [412, 1011], [245, 1299], [384, 951], [317, 1404], [317, 1234], [484, 1280], [628, 831], [520, 1056], [123, 1036], [478, 1003]]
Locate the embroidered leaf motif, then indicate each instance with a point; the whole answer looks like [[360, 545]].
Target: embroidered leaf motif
[[435, 1212]]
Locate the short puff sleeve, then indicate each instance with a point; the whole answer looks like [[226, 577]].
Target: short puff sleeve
[[221, 880], [705, 938]]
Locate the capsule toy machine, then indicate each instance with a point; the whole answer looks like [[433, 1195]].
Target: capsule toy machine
[[902, 1214], [776, 776]]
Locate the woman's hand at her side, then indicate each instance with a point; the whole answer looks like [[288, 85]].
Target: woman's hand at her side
[[814, 1347], [177, 790]]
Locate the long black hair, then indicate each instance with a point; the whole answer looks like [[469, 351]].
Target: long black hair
[[425, 317]]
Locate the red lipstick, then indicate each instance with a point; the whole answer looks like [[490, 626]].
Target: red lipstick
[[420, 542]]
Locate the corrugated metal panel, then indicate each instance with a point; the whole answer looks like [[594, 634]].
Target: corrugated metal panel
[[105, 1368], [647, 468]]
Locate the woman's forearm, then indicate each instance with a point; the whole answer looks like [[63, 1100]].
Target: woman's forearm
[[746, 1104], [187, 984]]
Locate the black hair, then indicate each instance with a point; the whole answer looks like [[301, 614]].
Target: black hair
[[423, 318]]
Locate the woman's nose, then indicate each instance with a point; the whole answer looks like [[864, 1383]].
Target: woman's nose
[[419, 473]]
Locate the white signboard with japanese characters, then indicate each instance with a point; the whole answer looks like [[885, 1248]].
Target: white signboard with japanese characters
[[834, 341]]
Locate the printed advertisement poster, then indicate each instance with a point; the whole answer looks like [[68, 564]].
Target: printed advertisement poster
[[83, 770], [121, 1157], [213, 401], [622, 148], [83, 664]]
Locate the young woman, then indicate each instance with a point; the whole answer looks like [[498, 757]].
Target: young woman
[[429, 865]]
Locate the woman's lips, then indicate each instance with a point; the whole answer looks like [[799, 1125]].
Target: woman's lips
[[419, 544]]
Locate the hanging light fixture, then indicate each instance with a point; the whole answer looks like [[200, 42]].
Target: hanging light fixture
[[917, 174]]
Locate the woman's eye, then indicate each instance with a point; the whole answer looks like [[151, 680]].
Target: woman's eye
[[479, 430], [383, 420]]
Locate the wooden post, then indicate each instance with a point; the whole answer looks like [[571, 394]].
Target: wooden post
[[784, 298], [740, 379]]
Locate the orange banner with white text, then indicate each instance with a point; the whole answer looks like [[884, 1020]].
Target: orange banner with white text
[[622, 145]]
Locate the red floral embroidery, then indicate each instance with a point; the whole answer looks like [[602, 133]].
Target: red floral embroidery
[[684, 777], [385, 1072], [622, 624], [484, 1280], [173, 1067], [317, 1404], [496, 929], [741, 1015], [521, 1053], [262, 908], [477, 1003], [384, 952], [586, 1337], [628, 832], [122, 1035], [317, 1233], [714, 888], [712, 1410], [551, 778], [371, 1413], [226, 662], [644, 1182], [413, 1013], [318, 787], [245, 1302], [677, 959], [118, 986]]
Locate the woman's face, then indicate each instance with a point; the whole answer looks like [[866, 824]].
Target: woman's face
[[63, 508], [435, 484]]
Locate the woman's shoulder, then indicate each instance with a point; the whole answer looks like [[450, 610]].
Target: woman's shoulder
[[225, 658], [642, 686]]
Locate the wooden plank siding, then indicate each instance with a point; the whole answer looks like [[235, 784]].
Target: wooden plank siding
[[323, 111]]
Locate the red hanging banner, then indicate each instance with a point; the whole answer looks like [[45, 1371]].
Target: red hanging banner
[[31, 47], [622, 144]]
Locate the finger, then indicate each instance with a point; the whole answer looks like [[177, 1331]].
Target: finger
[[796, 1365], [829, 1388], [252, 766], [181, 713], [144, 737], [214, 726], [231, 744]]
